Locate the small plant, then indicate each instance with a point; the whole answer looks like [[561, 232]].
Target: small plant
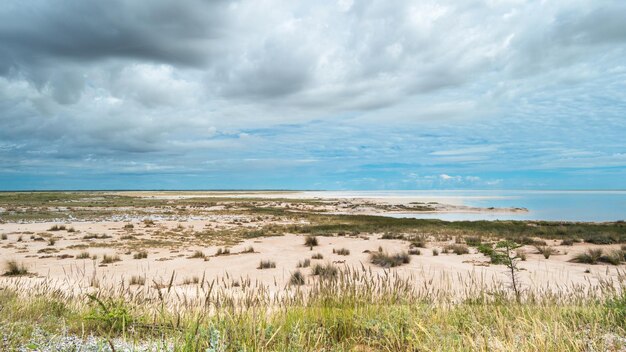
[[198, 254], [13, 268], [108, 259], [591, 256], [546, 251], [266, 264], [419, 242], [222, 251], [137, 280], [414, 251], [83, 255], [71, 229], [567, 242], [51, 242], [304, 263], [341, 251], [317, 256], [57, 228], [325, 271], [140, 255], [521, 254], [191, 280], [297, 279], [473, 241], [248, 249], [389, 260], [129, 226], [310, 241], [4, 236], [458, 249], [435, 252], [20, 239]]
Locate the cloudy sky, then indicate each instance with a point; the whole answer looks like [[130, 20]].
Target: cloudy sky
[[313, 94]]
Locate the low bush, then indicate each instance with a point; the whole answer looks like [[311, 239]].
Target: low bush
[[546, 251], [222, 251], [13, 268], [310, 241], [458, 249], [137, 280], [386, 260], [414, 251], [140, 255], [317, 256], [108, 259], [297, 279], [341, 251], [83, 255], [266, 264], [325, 271], [304, 263], [198, 254]]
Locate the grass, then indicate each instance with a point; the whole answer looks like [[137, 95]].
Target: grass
[[222, 251], [13, 268], [137, 280], [325, 271], [4, 236], [51, 241], [310, 241], [297, 278], [458, 249], [57, 228], [386, 260], [341, 251], [317, 256], [597, 255], [248, 249], [414, 251], [304, 263], [83, 255], [198, 254], [109, 259], [355, 311], [546, 251], [435, 252], [140, 255], [266, 264]]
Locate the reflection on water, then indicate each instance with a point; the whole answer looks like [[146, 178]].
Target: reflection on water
[[542, 205]]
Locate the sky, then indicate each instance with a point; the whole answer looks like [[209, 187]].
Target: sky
[[338, 95]]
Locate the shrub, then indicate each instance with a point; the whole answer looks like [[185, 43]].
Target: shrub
[[546, 251], [297, 279], [20, 239], [591, 256], [129, 226], [13, 268], [140, 255], [248, 249], [414, 251], [435, 252], [108, 259], [222, 251], [71, 229], [304, 264], [614, 257], [326, 271], [473, 241], [191, 280], [419, 241], [57, 228], [458, 249], [198, 254], [4, 236], [51, 242], [341, 251], [137, 280], [389, 260], [521, 254], [567, 242], [83, 255], [310, 241], [600, 239], [266, 264], [317, 256]]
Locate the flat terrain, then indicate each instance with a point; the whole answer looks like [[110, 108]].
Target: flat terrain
[[191, 248]]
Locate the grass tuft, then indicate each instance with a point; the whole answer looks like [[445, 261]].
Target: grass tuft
[[386, 260]]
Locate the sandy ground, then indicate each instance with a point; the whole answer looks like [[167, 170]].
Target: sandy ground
[[442, 272]]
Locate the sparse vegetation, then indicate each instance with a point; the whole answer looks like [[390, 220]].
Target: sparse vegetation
[[414, 251], [222, 251], [198, 254], [57, 228], [4, 236], [341, 251], [13, 268], [546, 251], [266, 264], [248, 249], [83, 255], [435, 252], [137, 280], [325, 271], [389, 260], [51, 241], [304, 263], [317, 256], [310, 241], [140, 255], [597, 255], [109, 259], [297, 278], [458, 249]]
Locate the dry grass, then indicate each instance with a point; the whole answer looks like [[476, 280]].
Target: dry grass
[[266, 264], [140, 255], [109, 259], [13, 268], [458, 249], [386, 260]]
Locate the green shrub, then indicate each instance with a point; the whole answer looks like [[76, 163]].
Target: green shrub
[[591, 256], [325, 271]]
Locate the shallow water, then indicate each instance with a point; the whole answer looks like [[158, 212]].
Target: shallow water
[[542, 205]]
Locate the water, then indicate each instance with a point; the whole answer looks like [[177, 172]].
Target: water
[[542, 205]]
